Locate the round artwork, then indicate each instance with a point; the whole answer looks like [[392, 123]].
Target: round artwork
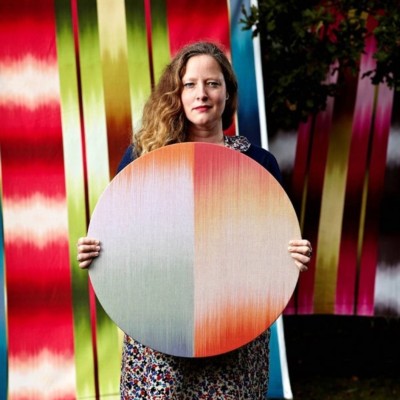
[[194, 258]]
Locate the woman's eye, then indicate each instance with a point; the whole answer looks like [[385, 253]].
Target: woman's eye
[[213, 84], [188, 85]]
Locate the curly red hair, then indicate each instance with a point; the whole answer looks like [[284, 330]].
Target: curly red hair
[[164, 121]]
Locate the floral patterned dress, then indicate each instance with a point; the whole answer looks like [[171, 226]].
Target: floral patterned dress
[[241, 374]]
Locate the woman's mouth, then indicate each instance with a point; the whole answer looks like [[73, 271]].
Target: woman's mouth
[[202, 108]]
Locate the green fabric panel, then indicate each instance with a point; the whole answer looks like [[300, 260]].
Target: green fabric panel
[[74, 178], [161, 53], [138, 58]]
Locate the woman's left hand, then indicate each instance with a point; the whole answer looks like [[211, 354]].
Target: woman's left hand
[[301, 252]]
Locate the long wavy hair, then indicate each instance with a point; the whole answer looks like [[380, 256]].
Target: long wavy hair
[[164, 121]]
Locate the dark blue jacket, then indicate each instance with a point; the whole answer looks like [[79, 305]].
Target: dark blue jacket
[[258, 154]]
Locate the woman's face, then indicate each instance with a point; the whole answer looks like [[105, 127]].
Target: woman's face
[[204, 94]]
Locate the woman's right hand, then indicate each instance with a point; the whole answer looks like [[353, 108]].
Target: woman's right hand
[[88, 249]]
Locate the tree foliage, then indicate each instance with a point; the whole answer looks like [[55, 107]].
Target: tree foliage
[[305, 41]]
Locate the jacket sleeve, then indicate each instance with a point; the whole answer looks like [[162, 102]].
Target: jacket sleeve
[[266, 159], [127, 158]]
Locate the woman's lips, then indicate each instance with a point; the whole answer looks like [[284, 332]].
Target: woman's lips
[[202, 108]]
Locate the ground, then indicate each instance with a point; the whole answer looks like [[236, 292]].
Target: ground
[[336, 357]]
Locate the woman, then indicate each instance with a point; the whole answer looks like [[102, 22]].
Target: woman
[[195, 100]]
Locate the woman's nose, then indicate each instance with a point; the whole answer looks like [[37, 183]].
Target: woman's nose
[[201, 92]]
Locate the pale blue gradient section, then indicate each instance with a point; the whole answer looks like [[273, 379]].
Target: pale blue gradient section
[[144, 274]]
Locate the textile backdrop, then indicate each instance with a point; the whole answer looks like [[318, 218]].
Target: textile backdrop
[[73, 80]]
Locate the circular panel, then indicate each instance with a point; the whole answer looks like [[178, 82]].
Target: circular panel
[[194, 258]]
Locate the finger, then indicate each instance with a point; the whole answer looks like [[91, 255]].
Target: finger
[[87, 241], [304, 259], [305, 251], [85, 264], [87, 256], [301, 246], [300, 242], [88, 249], [300, 266]]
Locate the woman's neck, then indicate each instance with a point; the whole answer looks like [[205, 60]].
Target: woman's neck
[[206, 137]]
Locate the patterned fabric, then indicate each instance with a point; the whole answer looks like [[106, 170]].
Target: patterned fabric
[[238, 375], [240, 143]]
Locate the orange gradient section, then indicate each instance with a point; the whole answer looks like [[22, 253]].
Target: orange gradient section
[[244, 275]]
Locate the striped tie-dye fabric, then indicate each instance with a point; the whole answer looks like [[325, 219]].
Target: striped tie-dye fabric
[[73, 79], [341, 170], [40, 340]]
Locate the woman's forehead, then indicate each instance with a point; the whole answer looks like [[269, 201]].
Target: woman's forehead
[[202, 65]]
